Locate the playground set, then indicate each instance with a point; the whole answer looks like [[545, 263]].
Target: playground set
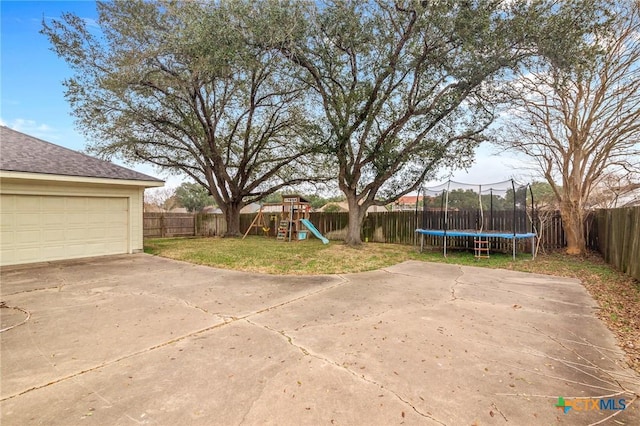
[[292, 216]]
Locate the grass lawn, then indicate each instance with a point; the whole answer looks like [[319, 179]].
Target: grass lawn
[[617, 294]]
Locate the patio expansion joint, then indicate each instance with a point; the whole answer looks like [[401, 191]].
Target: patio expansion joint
[[361, 377]]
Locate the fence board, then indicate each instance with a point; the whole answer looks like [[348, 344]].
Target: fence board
[[617, 237], [168, 225]]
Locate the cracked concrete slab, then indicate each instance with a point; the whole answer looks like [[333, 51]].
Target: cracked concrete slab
[[145, 340]]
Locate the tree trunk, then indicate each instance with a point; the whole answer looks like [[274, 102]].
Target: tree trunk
[[232, 216], [573, 224], [356, 219]]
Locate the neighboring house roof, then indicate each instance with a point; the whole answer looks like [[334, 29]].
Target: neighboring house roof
[[377, 209], [250, 208], [152, 208], [23, 153], [342, 205], [629, 199], [409, 199], [211, 210]]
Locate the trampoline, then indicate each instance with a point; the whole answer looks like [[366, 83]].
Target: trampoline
[[452, 233], [489, 211]]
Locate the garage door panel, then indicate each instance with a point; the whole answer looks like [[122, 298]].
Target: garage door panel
[[53, 204], [27, 220], [76, 203], [76, 218], [97, 233], [52, 235], [26, 204], [7, 237], [96, 218], [44, 228], [49, 219], [28, 237]]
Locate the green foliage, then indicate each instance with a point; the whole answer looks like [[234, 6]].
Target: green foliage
[[332, 208], [193, 197], [407, 88], [182, 86], [543, 195], [275, 197]]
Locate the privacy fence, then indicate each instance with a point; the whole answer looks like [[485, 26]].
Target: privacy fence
[[616, 234], [386, 227], [613, 232]]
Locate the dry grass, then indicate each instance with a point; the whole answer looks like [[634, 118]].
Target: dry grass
[[269, 256]]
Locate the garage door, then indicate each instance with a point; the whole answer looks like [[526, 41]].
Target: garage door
[[38, 228]]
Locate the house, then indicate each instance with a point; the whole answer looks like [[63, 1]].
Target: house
[[56, 203], [408, 202], [335, 206], [343, 206]]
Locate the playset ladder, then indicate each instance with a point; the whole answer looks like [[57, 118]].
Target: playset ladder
[[283, 230], [481, 248]]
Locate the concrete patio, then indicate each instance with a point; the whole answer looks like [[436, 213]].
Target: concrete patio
[[143, 340]]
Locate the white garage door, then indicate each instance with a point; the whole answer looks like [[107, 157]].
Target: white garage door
[[38, 228]]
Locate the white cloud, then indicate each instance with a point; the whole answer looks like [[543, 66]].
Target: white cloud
[[32, 128]]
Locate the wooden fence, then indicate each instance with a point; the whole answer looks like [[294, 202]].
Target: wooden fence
[[183, 225], [386, 227], [616, 234], [168, 225]]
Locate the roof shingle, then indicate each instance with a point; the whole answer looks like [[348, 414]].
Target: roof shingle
[[23, 153]]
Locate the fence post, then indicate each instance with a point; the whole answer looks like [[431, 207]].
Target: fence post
[[162, 226]]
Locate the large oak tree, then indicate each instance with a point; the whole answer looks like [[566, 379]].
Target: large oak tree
[[406, 87], [179, 85]]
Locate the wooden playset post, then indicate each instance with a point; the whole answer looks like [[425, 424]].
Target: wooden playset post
[[258, 222]]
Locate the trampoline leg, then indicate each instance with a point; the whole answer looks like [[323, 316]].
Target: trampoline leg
[[533, 248], [514, 248], [445, 246], [421, 243]]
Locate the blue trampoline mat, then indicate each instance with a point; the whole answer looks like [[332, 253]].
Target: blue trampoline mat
[[454, 233]]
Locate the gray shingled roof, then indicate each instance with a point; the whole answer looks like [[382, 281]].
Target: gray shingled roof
[[24, 153]]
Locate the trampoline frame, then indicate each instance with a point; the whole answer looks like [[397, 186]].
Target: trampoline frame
[[452, 233]]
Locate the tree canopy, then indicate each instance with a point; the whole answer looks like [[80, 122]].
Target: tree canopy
[[193, 197], [179, 85]]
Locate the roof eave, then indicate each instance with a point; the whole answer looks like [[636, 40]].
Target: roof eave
[[6, 174]]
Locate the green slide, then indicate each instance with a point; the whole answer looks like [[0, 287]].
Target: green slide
[[314, 231]]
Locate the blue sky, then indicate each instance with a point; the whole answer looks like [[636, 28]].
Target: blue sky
[[32, 95], [31, 75]]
